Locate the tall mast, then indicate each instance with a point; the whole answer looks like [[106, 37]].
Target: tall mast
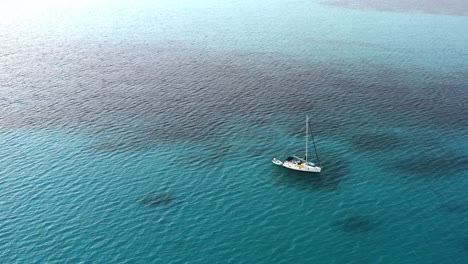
[[315, 149], [307, 135]]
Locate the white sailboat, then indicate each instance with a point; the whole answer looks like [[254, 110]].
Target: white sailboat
[[299, 164]]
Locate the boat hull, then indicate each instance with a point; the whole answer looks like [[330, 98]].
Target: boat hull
[[305, 168], [297, 167]]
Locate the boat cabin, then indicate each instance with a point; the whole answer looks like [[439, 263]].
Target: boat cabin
[[299, 161]]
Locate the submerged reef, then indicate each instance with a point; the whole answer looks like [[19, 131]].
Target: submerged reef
[[157, 199], [435, 165], [356, 224], [371, 142], [463, 242], [455, 207]]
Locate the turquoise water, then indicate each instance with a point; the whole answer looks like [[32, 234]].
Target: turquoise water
[[140, 132]]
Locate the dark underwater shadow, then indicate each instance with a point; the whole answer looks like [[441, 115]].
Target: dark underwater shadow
[[357, 223], [143, 139], [464, 244], [157, 199], [455, 207], [377, 141], [431, 165]]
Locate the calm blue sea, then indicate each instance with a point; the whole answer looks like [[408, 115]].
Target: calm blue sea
[[143, 131]]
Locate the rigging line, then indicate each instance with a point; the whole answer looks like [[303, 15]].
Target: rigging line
[[315, 149], [307, 137]]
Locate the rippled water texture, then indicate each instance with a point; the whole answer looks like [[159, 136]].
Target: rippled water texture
[[450, 7], [143, 132]]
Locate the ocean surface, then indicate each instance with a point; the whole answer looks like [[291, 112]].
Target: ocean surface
[[143, 131]]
